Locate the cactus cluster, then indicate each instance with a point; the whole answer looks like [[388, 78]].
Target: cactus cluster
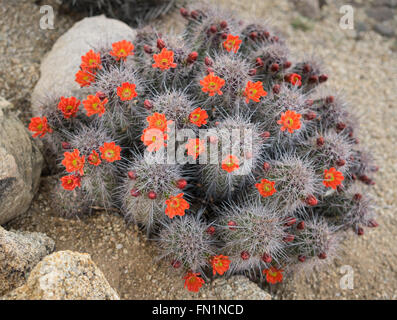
[[226, 151]]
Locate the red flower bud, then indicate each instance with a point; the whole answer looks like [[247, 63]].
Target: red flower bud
[[254, 35], [290, 221], [275, 39], [274, 67], [176, 264], [208, 62], [289, 238], [223, 24], [287, 64], [148, 104], [132, 175], [357, 197], [323, 78], [147, 49], [184, 12], [135, 192], [354, 177], [309, 116], [266, 34], [311, 200], [152, 195], [245, 255], [266, 258], [340, 162], [181, 184], [300, 225], [276, 89], [340, 126], [360, 231], [232, 225], [320, 141], [160, 44], [101, 95], [329, 99], [209, 70], [306, 68], [265, 135], [313, 79], [259, 62], [66, 145], [372, 223], [322, 255], [194, 14], [252, 72], [224, 35], [213, 29], [192, 57], [302, 258], [211, 230], [266, 166]]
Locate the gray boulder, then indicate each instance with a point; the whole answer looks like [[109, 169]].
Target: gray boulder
[[65, 275], [60, 65], [20, 165], [19, 253]]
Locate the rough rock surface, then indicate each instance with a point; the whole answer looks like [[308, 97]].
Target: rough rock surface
[[60, 65], [20, 165], [65, 275], [236, 288], [19, 253]]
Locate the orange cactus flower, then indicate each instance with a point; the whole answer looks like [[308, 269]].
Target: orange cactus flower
[[126, 91], [332, 178], [176, 206], [84, 78], [164, 60], [154, 139], [73, 162], [198, 117], [158, 121], [94, 159], [232, 43], [69, 107], [295, 79], [94, 105], [122, 49], [71, 182], [195, 147], [290, 120], [220, 264], [254, 91], [266, 188], [110, 151], [212, 84], [39, 126], [230, 163], [193, 282], [91, 61], [273, 275]]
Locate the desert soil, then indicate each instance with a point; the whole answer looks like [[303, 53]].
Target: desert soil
[[361, 65]]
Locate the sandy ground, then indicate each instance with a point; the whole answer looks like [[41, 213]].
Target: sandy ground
[[361, 65]]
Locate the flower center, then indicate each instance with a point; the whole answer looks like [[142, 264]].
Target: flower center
[[164, 62], [252, 92], [95, 105], [289, 122], [267, 187], [212, 85], [329, 177], [126, 92], [40, 126], [121, 52], [109, 153], [69, 107]]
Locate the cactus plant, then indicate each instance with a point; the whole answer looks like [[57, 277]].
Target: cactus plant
[[230, 156]]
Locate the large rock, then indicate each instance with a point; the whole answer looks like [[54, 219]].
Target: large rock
[[60, 65], [19, 253], [20, 165], [65, 275], [235, 288]]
